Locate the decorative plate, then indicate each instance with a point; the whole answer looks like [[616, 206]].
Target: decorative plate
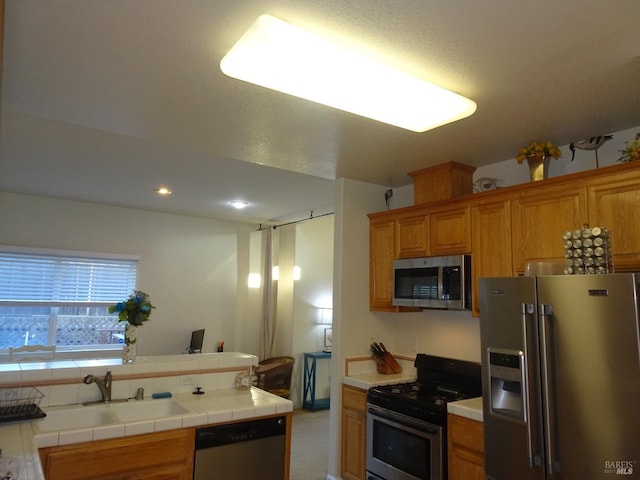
[[243, 381]]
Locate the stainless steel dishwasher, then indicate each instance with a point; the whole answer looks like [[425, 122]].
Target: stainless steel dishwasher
[[242, 451]]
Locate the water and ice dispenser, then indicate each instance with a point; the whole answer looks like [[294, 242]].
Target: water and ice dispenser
[[507, 388]]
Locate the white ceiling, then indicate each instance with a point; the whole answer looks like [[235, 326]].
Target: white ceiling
[[103, 100]]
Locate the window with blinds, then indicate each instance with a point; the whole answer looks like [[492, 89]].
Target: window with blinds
[[51, 298]]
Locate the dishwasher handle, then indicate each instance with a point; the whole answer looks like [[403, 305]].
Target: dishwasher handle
[[219, 435]]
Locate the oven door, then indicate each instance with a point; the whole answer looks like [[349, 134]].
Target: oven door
[[402, 448]]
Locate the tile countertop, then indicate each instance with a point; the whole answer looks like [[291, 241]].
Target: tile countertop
[[20, 441], [368, 380], [470, 408]]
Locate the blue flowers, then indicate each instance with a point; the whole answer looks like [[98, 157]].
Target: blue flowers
[[135, 310], [118, 307]]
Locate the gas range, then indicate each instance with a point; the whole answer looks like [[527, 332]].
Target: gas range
[[407, 422], [440, 380]]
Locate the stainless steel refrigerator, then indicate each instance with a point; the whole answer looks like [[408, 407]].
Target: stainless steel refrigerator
[[561, 377]]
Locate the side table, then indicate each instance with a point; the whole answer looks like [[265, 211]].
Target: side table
[[309, 399]]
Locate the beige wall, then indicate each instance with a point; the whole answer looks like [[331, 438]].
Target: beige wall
[[190, 266]]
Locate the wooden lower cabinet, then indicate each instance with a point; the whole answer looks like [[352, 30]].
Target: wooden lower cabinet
[[155, 456], [465, 446], [354, 433]]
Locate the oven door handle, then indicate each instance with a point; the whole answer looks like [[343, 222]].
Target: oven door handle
[[400, 421]]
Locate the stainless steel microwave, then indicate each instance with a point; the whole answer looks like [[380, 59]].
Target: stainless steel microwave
[[433, 282]]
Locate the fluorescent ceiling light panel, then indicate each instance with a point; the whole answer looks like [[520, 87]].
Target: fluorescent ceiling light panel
[[283, 57]]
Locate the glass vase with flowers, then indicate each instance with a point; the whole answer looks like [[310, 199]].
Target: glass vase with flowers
[[135, 310], [537, 155], [631, 151]]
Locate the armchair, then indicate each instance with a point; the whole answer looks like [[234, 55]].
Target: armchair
[[274, 375]]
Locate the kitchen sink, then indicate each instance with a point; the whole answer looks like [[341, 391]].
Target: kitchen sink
[[108, 414], [148, 409], [76, 418]]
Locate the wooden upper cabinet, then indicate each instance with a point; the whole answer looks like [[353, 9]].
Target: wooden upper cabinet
[[614, 203], [381, 256], [450, 231], [412, 236], [430, 232], [491, 245], [505, 229], [539, 216]]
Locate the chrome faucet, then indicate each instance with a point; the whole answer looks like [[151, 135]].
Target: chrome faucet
[[103, 385], [140, 394]]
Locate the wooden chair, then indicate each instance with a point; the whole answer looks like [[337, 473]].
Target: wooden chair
[[32, 353], [274, 375]]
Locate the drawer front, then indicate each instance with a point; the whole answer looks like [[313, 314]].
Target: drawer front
[[354, 399], [466, 433]]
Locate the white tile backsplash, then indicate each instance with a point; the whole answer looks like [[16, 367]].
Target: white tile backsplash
[[65, 370], [63, 395], [209, 381], [165, 384], [146, 383], [191, 364], [120, 389], [46, 391], [143, 367], [36, 373], [206, 362]]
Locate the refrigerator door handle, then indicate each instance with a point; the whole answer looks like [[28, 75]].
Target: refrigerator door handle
[[527, 311], [548, 391]]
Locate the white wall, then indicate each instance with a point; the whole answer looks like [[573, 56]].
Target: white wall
[[314, 256], [453, 334], [512, 173], [195, 269]]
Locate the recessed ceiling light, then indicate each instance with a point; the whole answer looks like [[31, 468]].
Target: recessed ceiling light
[[163, 191], [283, 57], [239, 204]]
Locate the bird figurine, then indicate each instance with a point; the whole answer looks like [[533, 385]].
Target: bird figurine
[[592, 143]]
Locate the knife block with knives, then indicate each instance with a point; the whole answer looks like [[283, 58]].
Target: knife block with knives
[[385, 363]]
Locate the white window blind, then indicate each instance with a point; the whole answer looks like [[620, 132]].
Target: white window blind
[[35, 278]]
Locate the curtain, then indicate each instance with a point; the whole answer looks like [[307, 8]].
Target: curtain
[[270, 295]]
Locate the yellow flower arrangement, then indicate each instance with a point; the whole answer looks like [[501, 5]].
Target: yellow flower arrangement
[[547, 149], [631, 151]]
